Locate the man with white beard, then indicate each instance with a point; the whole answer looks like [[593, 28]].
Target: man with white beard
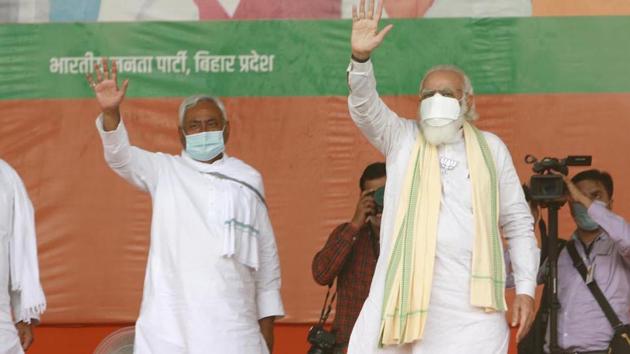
[[451, 191]]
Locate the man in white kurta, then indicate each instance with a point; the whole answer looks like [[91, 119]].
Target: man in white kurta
[[453, 325], [213, 271], [21, 297]]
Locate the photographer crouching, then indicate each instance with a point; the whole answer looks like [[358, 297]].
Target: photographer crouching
[[350, 255]]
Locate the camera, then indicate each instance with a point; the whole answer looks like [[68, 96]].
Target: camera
[[547, 186], [379, 196], [322, 341]]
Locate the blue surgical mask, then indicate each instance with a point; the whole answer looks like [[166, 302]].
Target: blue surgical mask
[[582, 219], [205, 146]]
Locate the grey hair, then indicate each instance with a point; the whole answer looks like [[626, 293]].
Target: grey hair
[[470, 114], [191, 101]]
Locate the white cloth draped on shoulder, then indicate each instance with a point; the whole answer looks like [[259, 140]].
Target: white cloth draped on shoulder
[[213, 268], [453, 324], [244, 209], [21, 294]]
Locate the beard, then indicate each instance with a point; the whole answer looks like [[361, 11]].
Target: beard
[[446, 134]]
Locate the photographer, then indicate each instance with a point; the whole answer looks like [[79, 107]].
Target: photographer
[[602, 240], [350, 254]]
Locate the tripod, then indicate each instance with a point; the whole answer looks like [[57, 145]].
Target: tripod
[[551, 283]]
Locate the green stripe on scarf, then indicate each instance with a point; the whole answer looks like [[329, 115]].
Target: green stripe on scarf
[[410, 269]]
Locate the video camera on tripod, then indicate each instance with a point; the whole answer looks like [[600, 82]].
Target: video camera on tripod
[[549, 187]]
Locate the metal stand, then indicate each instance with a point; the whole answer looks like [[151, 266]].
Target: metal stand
[[552, 277]]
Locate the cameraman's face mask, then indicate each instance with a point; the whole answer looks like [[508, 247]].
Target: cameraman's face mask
[[438, 110], [582, 219]]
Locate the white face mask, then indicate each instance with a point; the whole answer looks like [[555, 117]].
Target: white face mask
[[438, 111]]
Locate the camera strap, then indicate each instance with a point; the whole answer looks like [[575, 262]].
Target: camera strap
[[327, 306], [578, 262]]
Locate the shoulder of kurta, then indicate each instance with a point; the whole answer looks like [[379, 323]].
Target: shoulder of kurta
[[165, 158], [7, 173], [498, 148], [249, 173], [411, 124], [493, 140], [4, 166], [410, 130], [244, 166]]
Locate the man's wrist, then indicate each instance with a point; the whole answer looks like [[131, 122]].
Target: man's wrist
[[351, 232], [111, 113], [360, 58], [355, 226], [111, 120]]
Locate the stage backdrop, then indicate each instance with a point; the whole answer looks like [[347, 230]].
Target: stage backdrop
[[549, 86]]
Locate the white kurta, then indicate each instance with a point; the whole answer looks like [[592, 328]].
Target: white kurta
[[453, 325], [10, 301], [196, 300]]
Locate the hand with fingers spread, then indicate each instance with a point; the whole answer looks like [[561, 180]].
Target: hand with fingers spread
[[523, 315], [108, 95], [365, 35], [365, 208]]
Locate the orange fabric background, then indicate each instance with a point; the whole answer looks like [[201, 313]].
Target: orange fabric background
[[580, 7], [93, 228], [289, 339]]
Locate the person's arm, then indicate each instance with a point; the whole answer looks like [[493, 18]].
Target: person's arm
[[25, 333], [266, 328], [615, 226], [517, 223], [377, 122], [24, 326], [135, 165], [329, 261], [26, 297], [268, 282]]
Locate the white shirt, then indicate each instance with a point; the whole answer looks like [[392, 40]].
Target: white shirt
[[9, 300], [196, 300], [452, 323]]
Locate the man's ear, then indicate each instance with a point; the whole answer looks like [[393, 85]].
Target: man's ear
[[182, 137], [470, 101], [226, 132]]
